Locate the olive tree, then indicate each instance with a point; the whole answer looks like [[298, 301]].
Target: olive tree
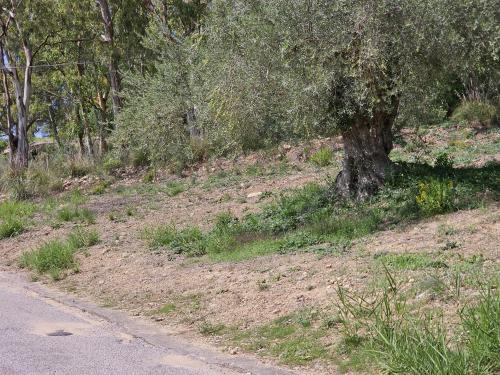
[[350, 66]]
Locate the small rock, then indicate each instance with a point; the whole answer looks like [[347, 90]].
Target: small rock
[[256, 194], [277, 311], [101, 282], [233, 351], [329, 266], [159, 319]]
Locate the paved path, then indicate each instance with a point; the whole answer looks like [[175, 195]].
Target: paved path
[[45, 332]]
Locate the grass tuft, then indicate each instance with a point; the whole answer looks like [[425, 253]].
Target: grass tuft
[[55, 257], [76, 214], [322, 158], [11, 227]]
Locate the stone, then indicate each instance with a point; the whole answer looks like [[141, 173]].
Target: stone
[[256, 194]]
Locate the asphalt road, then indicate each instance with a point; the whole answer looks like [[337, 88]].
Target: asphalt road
[[43, 333]]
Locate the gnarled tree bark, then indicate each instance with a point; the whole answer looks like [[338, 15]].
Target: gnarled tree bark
[[366, 164]]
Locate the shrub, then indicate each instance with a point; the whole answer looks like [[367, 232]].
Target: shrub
[[322, 158], [140, 158], [100, 187], [12, 217], [149, 176], [15, 209], [435, 196], [189, 241], [443, 161], [290, 211], [111, 164], [56, 256], [475, 111], [80, 167]]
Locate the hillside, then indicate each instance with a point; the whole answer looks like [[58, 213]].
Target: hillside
[[240, 254]]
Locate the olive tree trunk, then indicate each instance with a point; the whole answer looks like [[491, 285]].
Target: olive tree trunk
[[366, 164]]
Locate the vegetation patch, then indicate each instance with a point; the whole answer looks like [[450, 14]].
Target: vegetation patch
[[56, 256], [13, 217], [294, 339], [394, 338], [174, 188], [322, 158], [11, 227], [76, 214], [409, 261]]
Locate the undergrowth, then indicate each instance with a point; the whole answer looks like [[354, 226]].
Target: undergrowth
[[311, 215]]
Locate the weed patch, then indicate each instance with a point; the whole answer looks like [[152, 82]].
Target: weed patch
[[174, 188], [52, 257], [13, 217]]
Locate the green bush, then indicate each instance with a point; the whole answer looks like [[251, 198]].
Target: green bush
[[475, 111], [149, 176], [56, 256], [174, 188], [16, 209], [322, 158], [111, 164], [80, 167], [100, 187], [189, 241], [443, 161], [13, 216]]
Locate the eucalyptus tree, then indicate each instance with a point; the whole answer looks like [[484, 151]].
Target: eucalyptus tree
[[158, 118], [27, 27]]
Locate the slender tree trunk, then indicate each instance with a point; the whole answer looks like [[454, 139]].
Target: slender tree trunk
[[366, 164], [81, 131], [53, 126], [101, 121], [88, 134], [22, 152], [8, 114], [114, 75]]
